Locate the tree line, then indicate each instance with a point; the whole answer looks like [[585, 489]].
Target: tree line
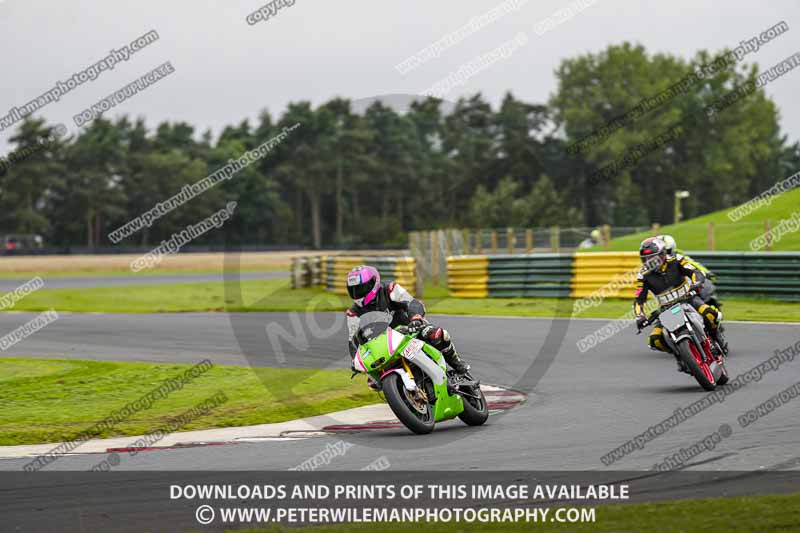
[[350, 179]]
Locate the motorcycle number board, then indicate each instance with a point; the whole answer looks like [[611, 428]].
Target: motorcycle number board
[[410, 351], [674, 319]]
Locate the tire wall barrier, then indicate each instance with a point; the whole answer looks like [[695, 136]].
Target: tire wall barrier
[[613, 273], [772, 275], [468, 276], [533, 275], [331, 271]]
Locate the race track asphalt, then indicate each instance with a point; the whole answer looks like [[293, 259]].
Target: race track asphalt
[[579, 407]]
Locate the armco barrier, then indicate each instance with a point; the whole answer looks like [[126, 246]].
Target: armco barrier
[[533, 275], [307, 271], [331, 271], [773, 275]]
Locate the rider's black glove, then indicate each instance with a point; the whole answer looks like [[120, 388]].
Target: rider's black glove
[[416, 324]]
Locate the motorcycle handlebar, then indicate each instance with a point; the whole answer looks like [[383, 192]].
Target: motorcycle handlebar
[[654, 315], [649, 320]]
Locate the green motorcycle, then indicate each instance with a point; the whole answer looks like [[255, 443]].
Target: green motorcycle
[[414, 378]]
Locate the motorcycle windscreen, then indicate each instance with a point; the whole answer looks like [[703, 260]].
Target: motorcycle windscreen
[[373, 324], [673, 318]]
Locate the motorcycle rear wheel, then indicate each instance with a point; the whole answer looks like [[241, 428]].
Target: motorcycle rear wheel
[[476, 410]]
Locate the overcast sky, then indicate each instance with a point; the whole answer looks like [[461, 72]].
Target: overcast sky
[[227, 70]]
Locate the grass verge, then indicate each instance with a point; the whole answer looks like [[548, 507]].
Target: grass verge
[[751, 513], [731, 236], [275, 295], [59, 265], [52, 400], [45, 274], [272, 294]]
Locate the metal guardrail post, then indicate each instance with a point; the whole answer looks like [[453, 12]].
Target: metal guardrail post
[[434, 240], [419, 282], [768, 234], [294, 273], [712, 241], [555, 238]]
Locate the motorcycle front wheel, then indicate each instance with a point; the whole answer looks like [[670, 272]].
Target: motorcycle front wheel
[[692, 356], [415, 413]]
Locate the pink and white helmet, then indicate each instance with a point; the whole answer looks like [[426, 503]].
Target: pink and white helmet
[[363, 284]]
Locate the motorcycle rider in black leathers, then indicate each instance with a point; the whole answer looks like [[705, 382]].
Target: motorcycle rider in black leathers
[[708, 291], [660, 273], [369, 294]]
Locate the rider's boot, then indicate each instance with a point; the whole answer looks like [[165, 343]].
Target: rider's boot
[[454, 360], [720, 338], [440, 339]]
